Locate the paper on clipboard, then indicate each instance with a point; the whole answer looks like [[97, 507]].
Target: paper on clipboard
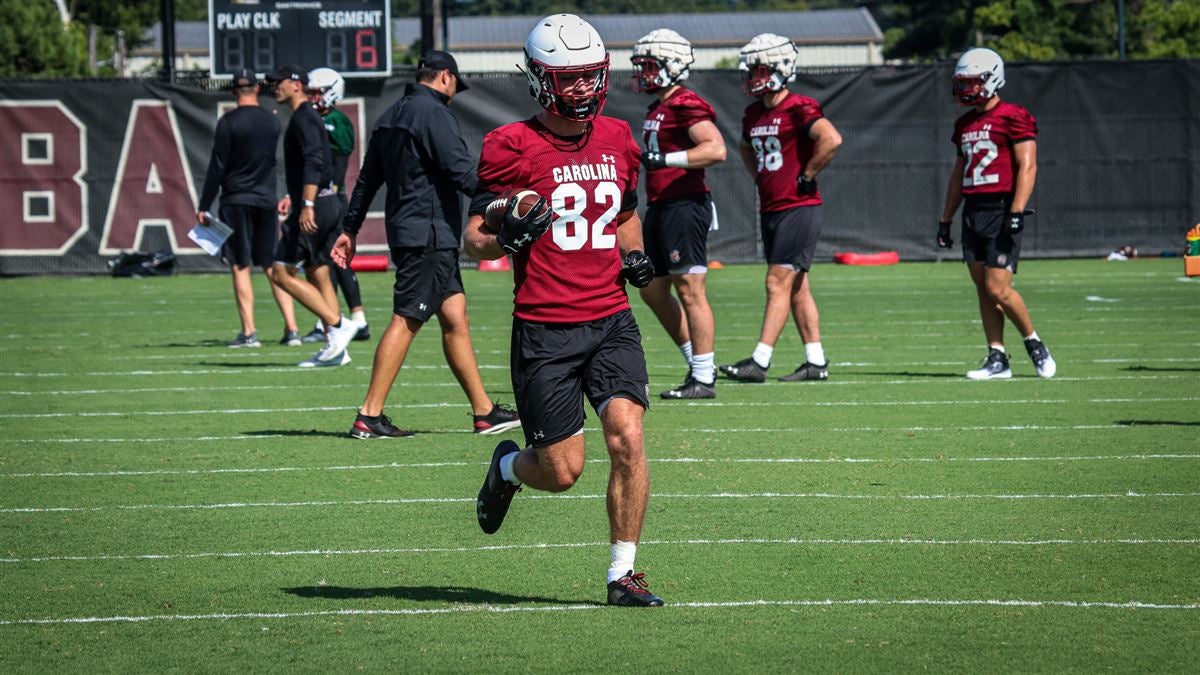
[[210, 237]]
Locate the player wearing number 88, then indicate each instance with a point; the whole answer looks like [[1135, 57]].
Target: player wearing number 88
[[996, 144], [786, 143], [573, 332]]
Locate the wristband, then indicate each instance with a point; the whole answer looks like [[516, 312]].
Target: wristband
[[677, 159], [309, 202]]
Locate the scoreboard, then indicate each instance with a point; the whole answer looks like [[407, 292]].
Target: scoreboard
[[354, 37]]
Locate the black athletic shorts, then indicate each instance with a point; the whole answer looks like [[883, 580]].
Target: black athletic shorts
[[425, 276], [985, 236], [255, 235], [296, 248], [554, 365], [676, 234], [790, 237]]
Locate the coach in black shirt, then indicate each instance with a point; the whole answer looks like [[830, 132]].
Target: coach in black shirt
[[242, 168], [308, 171], [417, 150]]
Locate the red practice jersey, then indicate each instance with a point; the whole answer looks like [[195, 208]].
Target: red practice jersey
[[573, 272], [779, 139], [666, 130], [986, 139]]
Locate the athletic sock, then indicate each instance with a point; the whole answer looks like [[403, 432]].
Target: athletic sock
[[622, 553], [999, 348], [359, 317], [814, 354], [506, 468], [762, 354], [703, 368], [686, 350], [1032, 336]]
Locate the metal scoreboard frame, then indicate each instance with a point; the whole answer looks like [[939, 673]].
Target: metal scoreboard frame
[[354, 37]]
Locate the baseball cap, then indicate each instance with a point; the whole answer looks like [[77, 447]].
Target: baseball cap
[[443, 61], [244, 77], [288, 72]]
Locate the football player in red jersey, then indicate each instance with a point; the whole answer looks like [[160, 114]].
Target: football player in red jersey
[[786, 142], [681, 138], [573, 332], [994, 174]]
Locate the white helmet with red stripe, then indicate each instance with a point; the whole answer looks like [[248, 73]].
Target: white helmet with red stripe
[[977, 75], [660, 59], [567, 67], [768, 62]]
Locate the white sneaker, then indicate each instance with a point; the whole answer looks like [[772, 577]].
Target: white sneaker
[[995, 367], [337, 339], [313, 362], [1042, 361]]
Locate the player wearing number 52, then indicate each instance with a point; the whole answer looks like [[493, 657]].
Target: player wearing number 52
[[994, 174], [681, 138], [786, 143], [573, 332]]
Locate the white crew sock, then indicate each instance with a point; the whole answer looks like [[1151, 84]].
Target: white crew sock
[[622, 553], [762, 354], [359, 317], [1032, 336], [814, 354], [506, 468], [686, 350], [999, 348], [704, 368], [319, 325]]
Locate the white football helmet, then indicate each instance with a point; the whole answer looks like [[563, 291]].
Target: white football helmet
[[768, 62], [660, 59], [325, 88], [977, 75], [567, 67]]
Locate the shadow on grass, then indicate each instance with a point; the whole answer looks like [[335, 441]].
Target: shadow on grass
[[238, 366], [297, 432], [908, 373], [457, 594], [211, 342], [1170, 369], [1156, 423]]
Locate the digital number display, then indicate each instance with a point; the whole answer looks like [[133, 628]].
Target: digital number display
[[353, 37]]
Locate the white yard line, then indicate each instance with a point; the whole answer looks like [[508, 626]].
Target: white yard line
[[462, 609]]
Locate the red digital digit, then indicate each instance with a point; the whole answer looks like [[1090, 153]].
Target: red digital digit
[[366, 54]]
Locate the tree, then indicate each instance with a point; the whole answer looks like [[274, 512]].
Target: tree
[[34, 42]]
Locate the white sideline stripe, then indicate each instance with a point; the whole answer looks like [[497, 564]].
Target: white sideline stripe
[[544, 546], [460, 609], [715, 495], [670, 460], [711, 404]]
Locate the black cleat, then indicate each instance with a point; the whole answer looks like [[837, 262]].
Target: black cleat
[[745, 370], [496, 493], [691, 388], [363, 334], [630, 591], [807, 371], [364, 428], [995, 367], [1041, 358], [501, 418]]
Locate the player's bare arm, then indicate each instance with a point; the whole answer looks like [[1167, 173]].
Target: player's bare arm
[[826, 141], [629, 232], [709, 148], [479, 241], [748, 158], [1025, 156], [954, 194]]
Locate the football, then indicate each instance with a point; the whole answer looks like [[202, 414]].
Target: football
[[494, 214]]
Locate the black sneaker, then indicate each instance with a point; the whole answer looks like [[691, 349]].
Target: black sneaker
[[807, 371], [1041, 358], [315, 335], [363, 334], [745, 370], [496, 493], [501, 418], [692, 388], [364, 428], [291, 338], [995, 367], [630, 591]]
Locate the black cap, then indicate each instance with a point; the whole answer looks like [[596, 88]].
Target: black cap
[[443, 61], [244, 78], [288, 72]]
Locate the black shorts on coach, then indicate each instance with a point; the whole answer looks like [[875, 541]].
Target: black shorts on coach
[[790, 237], [985, 236], [296, 248], [255, 235], [675, 233], [425, 276], [554, 365]]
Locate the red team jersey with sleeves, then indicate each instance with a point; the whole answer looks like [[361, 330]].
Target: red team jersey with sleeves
[[572, 273], [986, 140], [779, 138], [666, 130]]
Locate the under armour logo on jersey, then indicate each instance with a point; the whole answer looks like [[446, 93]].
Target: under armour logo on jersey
[[608, 158], [422, 306], [538, 435]]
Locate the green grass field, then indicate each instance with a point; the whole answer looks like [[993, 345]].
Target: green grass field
[[168, 503]]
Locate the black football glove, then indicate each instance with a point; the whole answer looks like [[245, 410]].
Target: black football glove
[[519, 232], [943, 238], [653, 159], [637, 269], [806, 186], [1015, 222]]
